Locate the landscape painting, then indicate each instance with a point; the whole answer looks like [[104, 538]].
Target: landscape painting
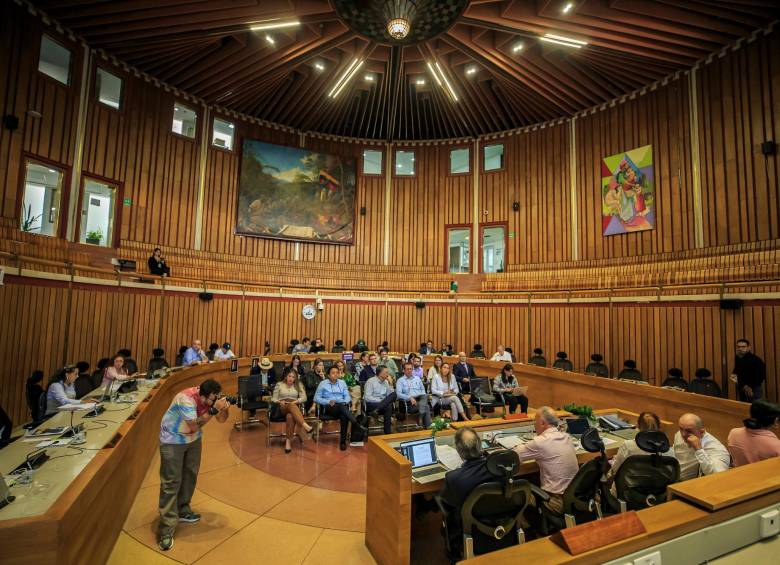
[[290, 193], [627, 195]]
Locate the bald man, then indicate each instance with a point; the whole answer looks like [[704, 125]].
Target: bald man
[[698, 451]]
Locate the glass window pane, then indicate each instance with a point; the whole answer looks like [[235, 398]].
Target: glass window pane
[[372, 162], [222, 135], [493, 243], [494, 157], [54, 60], [459, 161], [458, 250], [97, 213], [404, 163], [109, 89], [41, 204], [184, 120]]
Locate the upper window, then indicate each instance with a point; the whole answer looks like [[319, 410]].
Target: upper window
[[109, 89], [459, 161], [223, 134], [54, 60], [458, 250], [41, 204], [372, 162], [404, 163], [184, 120], [494, 157]]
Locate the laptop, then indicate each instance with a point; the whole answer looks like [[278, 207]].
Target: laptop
[[577, 426], [425, 463]]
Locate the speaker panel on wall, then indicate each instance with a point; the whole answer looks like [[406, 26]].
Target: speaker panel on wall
[[419, 305], [206, 296], [731, 304]]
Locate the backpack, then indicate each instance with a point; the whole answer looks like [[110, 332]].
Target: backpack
[[356, 434]]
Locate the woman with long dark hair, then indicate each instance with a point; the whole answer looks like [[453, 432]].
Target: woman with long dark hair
[[288, 396], [757, 440], [505, 388]]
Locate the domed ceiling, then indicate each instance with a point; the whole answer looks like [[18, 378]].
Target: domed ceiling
[[451, 68]]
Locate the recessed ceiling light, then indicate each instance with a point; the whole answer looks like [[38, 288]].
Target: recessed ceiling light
[[471, 70], [270, 39], [369, 78], [52, 171], [420, 81], [517, 48], [319, 66], [567, 8], [275, 24]]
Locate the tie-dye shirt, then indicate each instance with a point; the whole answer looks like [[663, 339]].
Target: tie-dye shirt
[[186, 407]]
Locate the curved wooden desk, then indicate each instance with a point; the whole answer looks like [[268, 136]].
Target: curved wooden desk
[[82, 524]]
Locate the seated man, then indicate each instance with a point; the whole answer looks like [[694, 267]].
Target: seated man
[[554, 452], [411, 389], [501, 354], [464, 372], [334, 400], [703, 384], [379, 397], [386, 361], [756, 441], [267, 375], [459, 482], [676, 379], [371, 370], [194, 355], [224, 353], [697, 450], [597, 366]]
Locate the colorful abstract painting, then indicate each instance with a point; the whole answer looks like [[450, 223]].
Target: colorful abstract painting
[[290, 193], [627, 195]]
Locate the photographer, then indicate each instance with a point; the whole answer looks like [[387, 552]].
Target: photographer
[[157, 264], [180, 448]]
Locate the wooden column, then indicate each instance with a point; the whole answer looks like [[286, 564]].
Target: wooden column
[[202, 156], [78, 155], [575, 254], [693, 122]]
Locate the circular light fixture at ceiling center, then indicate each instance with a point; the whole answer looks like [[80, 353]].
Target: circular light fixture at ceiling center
[[398, 28]]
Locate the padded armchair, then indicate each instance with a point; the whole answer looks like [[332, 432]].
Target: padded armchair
[[580, 499], [249, 399], [642, 480]]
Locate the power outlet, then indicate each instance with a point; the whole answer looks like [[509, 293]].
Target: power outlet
[[770, 523], [649, 559]]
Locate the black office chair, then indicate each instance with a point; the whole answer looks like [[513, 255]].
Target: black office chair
[[491, 515], [83, 386], [250, 399], [402, 412], [482, 397], [642, 480], [563, 365], [322, 420], [580, 500]]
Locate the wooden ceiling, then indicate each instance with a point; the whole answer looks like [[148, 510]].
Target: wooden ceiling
[[205, 48]]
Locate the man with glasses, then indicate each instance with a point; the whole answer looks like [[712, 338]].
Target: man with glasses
[[698, 451]]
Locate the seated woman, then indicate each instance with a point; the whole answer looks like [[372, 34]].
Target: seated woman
[[115, 372], [646, 422], [289, 395], [445, 391], [34, 392], [157, 265], [756, 440], [504, 387], [295, 363], [61, 390], [312, 380], [355, 392]]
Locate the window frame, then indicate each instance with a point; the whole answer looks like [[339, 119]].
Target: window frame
[[503, 159], [482, 227], [211, 138], [452, 148], [71, 63], [118, 204], [198, 121], [381, 168], [96, 92], [447, 229], [395, 162], [62, 224]]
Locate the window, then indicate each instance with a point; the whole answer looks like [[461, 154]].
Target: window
[[493, 244], [404, 163], [41, 204], [54, 60], [494, 157], [372, 162], [458, 250], [184, 120], [222, 134], [109, 89], [459, 161], [97, 213]]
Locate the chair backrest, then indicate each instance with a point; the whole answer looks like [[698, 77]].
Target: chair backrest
[[641, 480], [249, 387], [83, 385], [42, 403], [579, 498]]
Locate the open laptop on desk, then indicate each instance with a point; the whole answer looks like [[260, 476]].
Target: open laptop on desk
[[425, 463]]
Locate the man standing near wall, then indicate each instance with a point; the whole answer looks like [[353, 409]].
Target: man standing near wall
[[749, 373]]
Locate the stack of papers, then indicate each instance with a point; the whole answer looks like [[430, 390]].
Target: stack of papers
[[448, 457], [509, 442]]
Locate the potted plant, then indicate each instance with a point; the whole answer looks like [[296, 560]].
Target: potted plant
[[584, 411], [438, 424], [28, 220], [94, 236]]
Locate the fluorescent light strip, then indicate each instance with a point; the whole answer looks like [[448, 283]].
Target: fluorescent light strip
[[547, 39], [274, 25], [348, 77], [342, 77], [566, 39], [449, 87], [435, 76]]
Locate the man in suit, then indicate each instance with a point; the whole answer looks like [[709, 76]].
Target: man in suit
[[427, 348], [369, 370], [463, 372], [460, 482]]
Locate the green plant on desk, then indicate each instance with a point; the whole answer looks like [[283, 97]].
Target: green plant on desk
[[438, 424], [584, 410]]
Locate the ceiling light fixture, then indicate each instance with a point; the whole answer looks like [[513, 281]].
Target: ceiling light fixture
[[567, 8], [270, 39], [420, 81], [370, 78], [471, 70], [518, 47], [561, 40], [353, 68], [275, 24], [319, 66], [399, 14]]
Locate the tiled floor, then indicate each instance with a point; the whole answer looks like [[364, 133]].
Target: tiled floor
[[259, 505]]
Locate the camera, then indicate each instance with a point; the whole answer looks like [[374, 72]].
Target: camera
[[232, 400]]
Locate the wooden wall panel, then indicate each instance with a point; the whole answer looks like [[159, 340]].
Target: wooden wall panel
[[559, 327], [739, 108], [658, 118]]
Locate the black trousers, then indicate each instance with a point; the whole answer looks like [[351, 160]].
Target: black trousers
[[513, 401], [345, 416], [385, 408]]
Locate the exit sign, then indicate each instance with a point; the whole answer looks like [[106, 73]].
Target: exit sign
[[127, 201]]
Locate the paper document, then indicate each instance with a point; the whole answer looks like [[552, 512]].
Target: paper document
[[77, 407], [519, 390], [448, 457], [509, 442], [608, 442], [55, 442]]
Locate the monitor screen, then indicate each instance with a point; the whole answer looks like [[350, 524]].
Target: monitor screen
[[577, 426], [420, 452]]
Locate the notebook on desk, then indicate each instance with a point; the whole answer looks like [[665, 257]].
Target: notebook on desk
[[425, 462]]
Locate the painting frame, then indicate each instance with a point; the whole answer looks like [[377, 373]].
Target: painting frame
[[324, 186], [628, 192]]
